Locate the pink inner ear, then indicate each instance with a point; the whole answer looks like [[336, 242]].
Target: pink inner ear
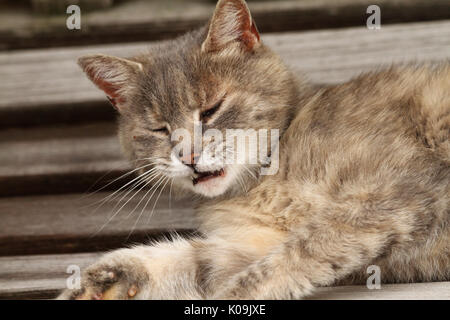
[[250, 34], [250, 37], [237, 15], [110, 90]]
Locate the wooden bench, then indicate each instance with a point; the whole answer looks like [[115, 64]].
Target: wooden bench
[[141, 20], [57, 140]]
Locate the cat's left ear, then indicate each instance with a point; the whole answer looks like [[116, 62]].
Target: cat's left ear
[[231, 22], [115, 76]]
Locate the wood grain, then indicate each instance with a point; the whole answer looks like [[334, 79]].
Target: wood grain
[[38, 276], [406, 291], [63, 158], [77, 222], [161, 19]]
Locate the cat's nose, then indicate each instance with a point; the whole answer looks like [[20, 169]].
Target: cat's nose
[[190, 159]]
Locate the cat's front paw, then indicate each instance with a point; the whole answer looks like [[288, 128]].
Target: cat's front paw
[[116, 276]]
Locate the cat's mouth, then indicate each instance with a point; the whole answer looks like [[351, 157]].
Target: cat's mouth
[[207, 175]]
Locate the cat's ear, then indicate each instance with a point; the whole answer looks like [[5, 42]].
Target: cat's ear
[[231, 22], [115, 76]]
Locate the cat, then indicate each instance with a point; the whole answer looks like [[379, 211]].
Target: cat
[[363, 176]]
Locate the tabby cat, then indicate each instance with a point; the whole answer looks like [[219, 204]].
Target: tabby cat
[[363, 176]]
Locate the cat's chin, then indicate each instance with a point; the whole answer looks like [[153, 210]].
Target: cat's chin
[[214, 186]]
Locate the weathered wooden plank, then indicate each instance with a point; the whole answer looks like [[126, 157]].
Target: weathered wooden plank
[[62, 158], [43, 276], [159, 19], [76, 222], [58, 6], [49, 83], [406, 291], [38, 276]]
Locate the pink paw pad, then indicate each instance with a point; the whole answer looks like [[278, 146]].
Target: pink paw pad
[[97, 296], [132, 291]]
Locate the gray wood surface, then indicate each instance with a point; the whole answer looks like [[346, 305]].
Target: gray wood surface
[[159, 19], [43, 276], [77, 222], [405, 291], [38, 276], [62, 158]]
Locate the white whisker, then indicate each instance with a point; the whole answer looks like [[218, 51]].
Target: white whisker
[[155, 187], [145, 182], [109, 197], [156, 201]]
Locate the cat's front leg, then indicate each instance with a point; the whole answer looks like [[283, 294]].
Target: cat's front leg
[[165, 270], [296, 267]]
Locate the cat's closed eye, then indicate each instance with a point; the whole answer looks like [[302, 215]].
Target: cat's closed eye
[[207, 114], [162, 130]]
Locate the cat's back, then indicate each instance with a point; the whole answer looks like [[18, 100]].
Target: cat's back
[[402, 109], [384, 133], [376, 147], [415, 99]]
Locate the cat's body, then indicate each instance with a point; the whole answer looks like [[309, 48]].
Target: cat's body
[[353, 159], [363, 179]]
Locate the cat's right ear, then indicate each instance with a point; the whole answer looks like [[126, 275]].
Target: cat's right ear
[[231, 23], [113, 75]]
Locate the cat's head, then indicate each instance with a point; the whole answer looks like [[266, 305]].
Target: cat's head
[[219, 77]]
